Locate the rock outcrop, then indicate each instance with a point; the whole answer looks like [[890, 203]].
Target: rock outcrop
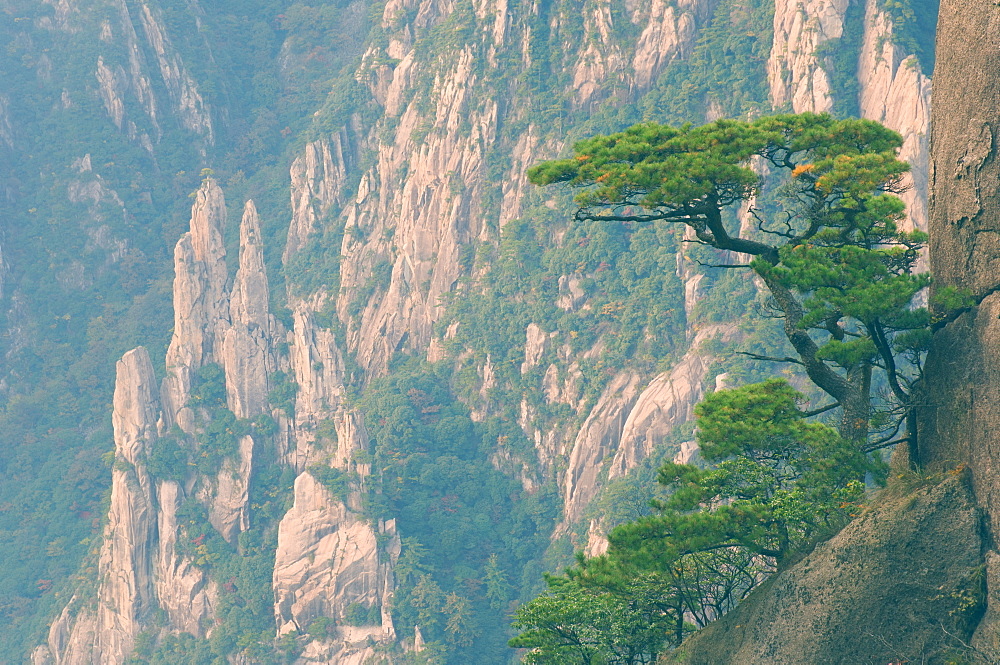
[[798, 76], [126, 85], [959, 412], [199, 300], [318, 184], [327, 560], [902, 583], [670, 34], [667, 402], [105, 627], [895, 92]]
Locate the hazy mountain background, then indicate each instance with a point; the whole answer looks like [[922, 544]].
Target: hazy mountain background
[[403, 384]]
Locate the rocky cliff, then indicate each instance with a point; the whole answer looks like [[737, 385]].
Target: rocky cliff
[[147, 562], [960, 414], [547, 355], [903, 582], [957, 412]]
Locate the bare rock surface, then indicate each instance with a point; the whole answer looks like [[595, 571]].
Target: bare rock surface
[[183, 590], [200, 298], [104, 631], [797, 76], [327, 559], [895, 92], [889, 588]]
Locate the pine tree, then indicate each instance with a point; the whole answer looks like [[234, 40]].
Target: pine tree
[[834, 258]]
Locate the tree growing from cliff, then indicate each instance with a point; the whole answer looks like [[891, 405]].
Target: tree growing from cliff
[[775, 483], [836, 263], [576, 623]]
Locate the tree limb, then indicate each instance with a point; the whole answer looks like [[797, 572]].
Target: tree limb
[[773, 359]]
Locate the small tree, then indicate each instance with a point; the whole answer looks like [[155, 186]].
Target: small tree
[[834, 259], [583, 624], [777, 482]]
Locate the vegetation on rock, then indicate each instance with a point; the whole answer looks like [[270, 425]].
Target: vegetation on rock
[[830, 250], [822, 232], [775, 483]]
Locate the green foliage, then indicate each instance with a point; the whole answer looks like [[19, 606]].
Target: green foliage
[[335, 480], [358, 614], [209, 386], [464, 524], [913, 25], [776, 483], [283, 392], [660, 167], [773, 491], [168, 458], [576, 624], [725, 75], [828, 246]]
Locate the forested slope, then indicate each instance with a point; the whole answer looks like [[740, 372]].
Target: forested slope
[[402, 384]]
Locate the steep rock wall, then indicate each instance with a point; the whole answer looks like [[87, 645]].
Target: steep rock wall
[[142, 565], [895, 92], [105, 627], [422, 201], [798, 76], [328, 559], [960, 417]]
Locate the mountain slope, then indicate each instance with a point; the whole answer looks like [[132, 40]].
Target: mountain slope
[[433, 353]]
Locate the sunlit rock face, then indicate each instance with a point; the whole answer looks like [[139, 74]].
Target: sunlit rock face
[[797, 75], [328, 559], [104, 628], [434, 171]]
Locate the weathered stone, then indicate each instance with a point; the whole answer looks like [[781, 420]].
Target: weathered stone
[[106, 631], [182, 589], [327, 559], [796, 75], [598, 438], [318, 178], [200, 298], [245, 341], [895, 92], [667, 402], [898, 584], [669, 34]]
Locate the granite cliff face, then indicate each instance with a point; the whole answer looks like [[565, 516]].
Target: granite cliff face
[[958, 421], [143, 568], [411, 192], [957, 412], [892, 89], [424, 198], [105, 631], [797, 75]]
